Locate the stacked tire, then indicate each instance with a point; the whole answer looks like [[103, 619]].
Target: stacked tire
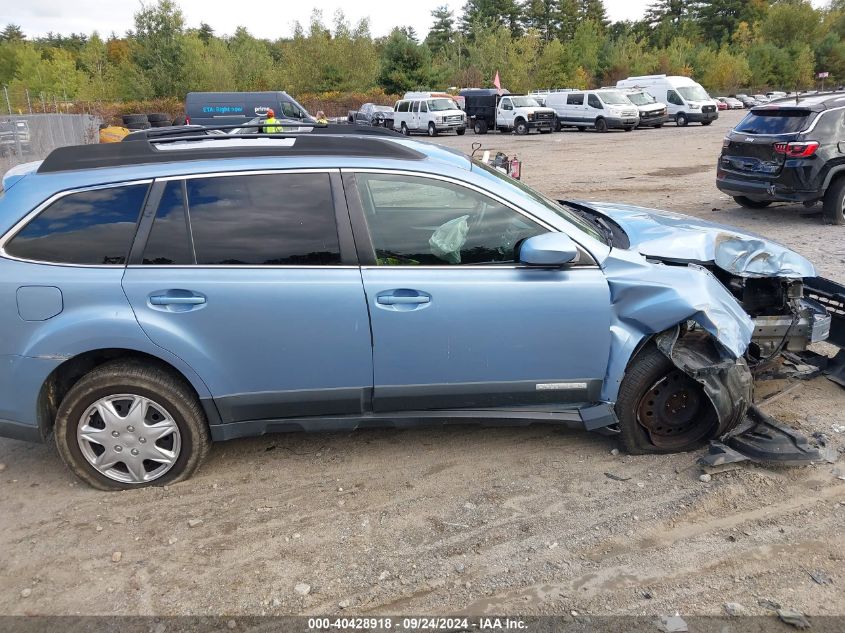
[[136, 121], [159, 119]]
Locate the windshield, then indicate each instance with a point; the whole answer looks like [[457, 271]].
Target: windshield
[[551, 205], [694, 93], [438, 105], [774, 122], [525, 102], [612, 97], [641, 98]]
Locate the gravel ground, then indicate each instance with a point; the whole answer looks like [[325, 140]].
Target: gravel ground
[[461, 520]]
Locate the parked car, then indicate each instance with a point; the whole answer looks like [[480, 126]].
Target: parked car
[[233, 108], [486, 109], [14, 134], [721, 104], [371, 114], [602, 110], [431, 116], [733, 103], [652, 112], [788, 151], [688, 102], [747, 101], [158, 295], [761, 99]]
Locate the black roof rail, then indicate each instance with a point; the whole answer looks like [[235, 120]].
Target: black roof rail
[[144, 151]]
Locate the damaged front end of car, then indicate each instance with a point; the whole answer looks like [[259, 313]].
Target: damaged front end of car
[[738, 301]]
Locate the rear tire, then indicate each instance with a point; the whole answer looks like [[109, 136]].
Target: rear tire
[[833, 210], [661, 409], [171, 400], [601, 125], [480, 127], [750, 203]]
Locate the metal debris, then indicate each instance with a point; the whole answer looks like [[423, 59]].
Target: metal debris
[[615, 477]]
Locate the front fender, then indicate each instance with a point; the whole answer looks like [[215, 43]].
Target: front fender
[[649, 298]]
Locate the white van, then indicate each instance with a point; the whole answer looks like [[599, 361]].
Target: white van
[[604, 109], [653, 113], [687, 100], [435, 115]]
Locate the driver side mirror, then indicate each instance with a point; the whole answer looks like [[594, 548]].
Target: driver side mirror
[[548, 249]]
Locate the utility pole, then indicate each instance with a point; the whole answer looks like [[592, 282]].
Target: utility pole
[[8, 103]]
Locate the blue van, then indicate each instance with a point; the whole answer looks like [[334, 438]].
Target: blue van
[[233, 108]]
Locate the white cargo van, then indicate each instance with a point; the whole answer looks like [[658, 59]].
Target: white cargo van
[[687, 101], [604, 109], [431, 116]]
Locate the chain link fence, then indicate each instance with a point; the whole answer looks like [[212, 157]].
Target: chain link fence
[[28, 137]]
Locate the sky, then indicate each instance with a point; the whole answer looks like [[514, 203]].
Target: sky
[[37, 17]]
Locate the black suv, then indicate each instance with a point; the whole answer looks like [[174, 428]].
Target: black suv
[[788, 150]]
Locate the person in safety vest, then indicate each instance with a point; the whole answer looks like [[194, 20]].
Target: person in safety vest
[[269, 127]]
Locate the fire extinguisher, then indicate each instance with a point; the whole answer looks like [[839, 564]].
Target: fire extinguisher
[[516, 168]]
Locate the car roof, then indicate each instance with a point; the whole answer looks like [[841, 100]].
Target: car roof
[[814, 102]]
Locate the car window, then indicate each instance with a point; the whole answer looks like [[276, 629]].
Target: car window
[[89, 227], [272, 219], [415, 106], [290, 110], [169, 242], [402, 106], [593, 102], [774, 121], [575, 99], [673, 98], [423, 221], [423, 107], [612, 97]]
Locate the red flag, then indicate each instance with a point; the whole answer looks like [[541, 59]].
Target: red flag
[[496, 81]]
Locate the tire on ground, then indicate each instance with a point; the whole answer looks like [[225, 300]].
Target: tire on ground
[[750, 203], [834, 201], [133, 377], [158, 116], [644, 371]]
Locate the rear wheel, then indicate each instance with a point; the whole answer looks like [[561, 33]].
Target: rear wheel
[[127, 424], [601, 125], [661, 409], [432, 130], [834, 203], [480, 126], [681, 119], [750, 203]]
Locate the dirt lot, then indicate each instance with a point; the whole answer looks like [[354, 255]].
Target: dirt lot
[[460, 520]]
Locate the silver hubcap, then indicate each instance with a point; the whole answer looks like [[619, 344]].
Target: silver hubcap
[[129, 438]]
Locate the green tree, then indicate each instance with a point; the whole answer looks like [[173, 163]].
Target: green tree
[[12, 33], [595, 11], [205, 33], [719, 19], [479, 14], [787, 23], [442, 31], [158, 47], [405, 64]]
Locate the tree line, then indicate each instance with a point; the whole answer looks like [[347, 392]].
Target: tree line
[[726, 45]]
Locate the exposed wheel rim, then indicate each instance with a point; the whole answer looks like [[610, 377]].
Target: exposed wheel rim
[[129, 438], [674, 411]]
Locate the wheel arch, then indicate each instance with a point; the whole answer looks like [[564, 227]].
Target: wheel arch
[[63, 377]]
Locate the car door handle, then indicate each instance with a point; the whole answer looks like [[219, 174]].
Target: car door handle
[[167, 300], [394, 300]]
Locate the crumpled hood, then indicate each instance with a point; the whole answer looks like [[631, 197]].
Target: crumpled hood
[[682, 238]]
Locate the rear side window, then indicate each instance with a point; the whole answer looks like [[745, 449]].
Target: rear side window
[[263, 220], [780, 121], [169, 242], [93, 227], [575, 99]]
